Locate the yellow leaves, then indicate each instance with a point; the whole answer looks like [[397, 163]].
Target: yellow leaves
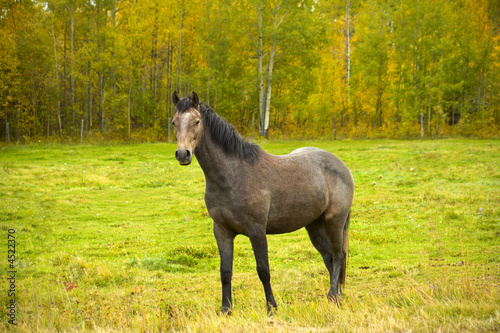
[[396, 54]]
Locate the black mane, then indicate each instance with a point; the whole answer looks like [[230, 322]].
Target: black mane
[[223, 134]]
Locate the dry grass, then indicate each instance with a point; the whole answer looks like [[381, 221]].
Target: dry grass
[[117, 239]]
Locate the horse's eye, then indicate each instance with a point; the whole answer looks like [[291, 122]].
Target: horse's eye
[[173, 123], [197, 122]]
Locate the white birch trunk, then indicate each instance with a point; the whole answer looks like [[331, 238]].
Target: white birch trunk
[[270, 76], [270, 67]]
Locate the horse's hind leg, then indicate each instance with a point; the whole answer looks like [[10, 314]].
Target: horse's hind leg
[[319, 239], [334, 228]]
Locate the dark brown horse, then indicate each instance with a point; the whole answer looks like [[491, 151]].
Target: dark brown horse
[[253, 193]]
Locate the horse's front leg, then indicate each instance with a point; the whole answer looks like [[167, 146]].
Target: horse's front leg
[[225, 243], [259, 245]]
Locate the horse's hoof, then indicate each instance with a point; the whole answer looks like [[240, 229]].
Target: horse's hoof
[[335, 299], [225, 311], [271, 309]]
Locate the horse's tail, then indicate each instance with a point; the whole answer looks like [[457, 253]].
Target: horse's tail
[[345, 249]]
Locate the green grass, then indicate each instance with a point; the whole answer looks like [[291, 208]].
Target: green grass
[[117, 238]]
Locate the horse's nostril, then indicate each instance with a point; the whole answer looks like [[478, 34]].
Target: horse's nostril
[[188, 154], [176, 154]]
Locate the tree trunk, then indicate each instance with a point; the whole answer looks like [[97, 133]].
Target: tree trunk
[[179, 72], [415, 69], [429, 107], [348, 52], [170, 51], [208, 52], [101, 80], [155, 71], [89, 99], [65, 79], [400, 76], [260, 57], [72, 81], [34, 103], [270, 72], [128, 104], [56, 78], [112, 64], [100, 75]]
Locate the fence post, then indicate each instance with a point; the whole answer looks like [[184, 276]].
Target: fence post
[[8, 132], [169, 123], [81, 133], [253, 124], [421, 125]]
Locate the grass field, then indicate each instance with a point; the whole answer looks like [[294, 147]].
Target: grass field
[[117, 239]]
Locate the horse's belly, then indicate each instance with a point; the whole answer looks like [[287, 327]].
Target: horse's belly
[[293, 213]]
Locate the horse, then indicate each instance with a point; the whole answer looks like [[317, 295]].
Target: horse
[[253, 193]]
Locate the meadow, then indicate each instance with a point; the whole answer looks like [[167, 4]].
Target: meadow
[[118, 239]]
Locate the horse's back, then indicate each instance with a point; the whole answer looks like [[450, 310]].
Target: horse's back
[[331, 164], [306, 150]]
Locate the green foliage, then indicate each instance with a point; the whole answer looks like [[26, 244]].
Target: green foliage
[[117, 238], [114, 65]]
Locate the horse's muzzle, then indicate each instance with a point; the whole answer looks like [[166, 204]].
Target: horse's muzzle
[[184, 156]]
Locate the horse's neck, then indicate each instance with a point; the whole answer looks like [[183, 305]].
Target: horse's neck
[[214, 163]]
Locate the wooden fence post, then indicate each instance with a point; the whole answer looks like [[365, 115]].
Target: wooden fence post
[[421, 125], [8, 132], [81, 133], [253, 124], [169, 123]]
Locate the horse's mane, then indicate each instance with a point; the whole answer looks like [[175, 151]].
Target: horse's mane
[[223, 134]]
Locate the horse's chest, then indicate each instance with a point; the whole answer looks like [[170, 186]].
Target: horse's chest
[[228, 218], [238, 211]]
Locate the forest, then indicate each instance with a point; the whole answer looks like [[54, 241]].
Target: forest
[[99, 70]]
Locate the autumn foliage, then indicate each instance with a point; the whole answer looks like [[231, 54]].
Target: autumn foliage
[[364, 68]]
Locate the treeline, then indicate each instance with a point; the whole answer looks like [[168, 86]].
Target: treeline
[[106, 69]]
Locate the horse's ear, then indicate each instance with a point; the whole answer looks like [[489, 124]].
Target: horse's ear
[[175, 98], [195, 100]]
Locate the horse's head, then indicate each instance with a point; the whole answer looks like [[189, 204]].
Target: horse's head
[[188, 127]]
